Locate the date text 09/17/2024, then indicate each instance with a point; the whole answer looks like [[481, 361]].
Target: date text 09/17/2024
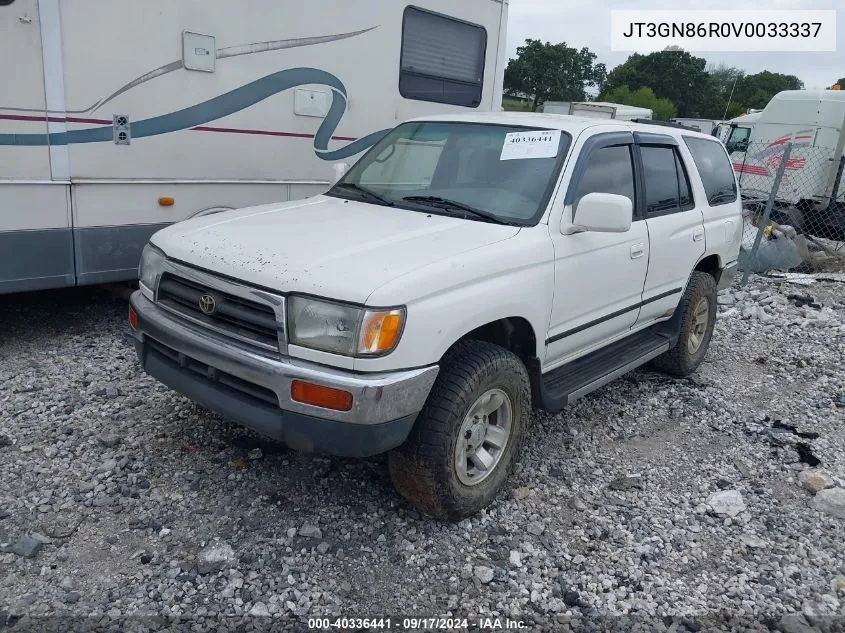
[[416, 624]]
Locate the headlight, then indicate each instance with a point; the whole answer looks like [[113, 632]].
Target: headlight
[[343, 329], [150, 269]]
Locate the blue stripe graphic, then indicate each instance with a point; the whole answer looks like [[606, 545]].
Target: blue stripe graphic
[[223, 106]]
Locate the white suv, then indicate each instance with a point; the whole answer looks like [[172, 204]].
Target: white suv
[[465, 268]]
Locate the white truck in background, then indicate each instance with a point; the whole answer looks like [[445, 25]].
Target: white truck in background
[[120, 118], [737, 131], [812, 189], [597, 110]]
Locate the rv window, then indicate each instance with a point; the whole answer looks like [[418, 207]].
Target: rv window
[[3, 3], [715, 168], [442, 59]]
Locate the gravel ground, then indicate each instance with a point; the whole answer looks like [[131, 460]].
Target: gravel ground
[[654, 504]]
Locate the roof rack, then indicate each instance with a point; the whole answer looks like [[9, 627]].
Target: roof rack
[[666, 124]]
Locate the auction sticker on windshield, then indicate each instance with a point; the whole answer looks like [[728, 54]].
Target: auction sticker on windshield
[[533, 144]]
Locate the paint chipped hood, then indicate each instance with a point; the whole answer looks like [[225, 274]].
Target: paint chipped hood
[[324, 246]]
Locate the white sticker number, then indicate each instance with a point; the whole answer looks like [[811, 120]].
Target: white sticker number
[[535, 144]]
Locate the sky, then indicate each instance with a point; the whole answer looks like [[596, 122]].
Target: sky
[[587, 23]]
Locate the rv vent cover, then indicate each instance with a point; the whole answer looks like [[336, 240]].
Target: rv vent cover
[[122, 131]]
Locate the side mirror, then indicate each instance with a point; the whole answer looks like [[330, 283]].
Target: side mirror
[[601, 213], [339, 170]]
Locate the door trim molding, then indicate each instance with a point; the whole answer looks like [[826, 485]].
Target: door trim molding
[[612, 315]]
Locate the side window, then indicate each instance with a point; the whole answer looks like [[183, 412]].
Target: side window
[[715, 169], [3, 3], [739, 135], [442, 59], [610, 170], [667, 188], [661, 180], [683, 184]]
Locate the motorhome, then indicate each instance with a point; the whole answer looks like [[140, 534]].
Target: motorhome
[[119, 118], [597, 109]]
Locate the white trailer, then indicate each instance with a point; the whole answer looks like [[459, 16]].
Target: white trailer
[[118, 118], [557, 107], [705, 126], [597, 110]]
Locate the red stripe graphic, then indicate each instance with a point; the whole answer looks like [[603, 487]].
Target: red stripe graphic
[[201, 128], [751, 169], [786, 139], [232, 130], [51, 119]]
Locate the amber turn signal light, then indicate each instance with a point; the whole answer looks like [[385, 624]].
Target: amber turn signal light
[[380, 331], [133, 318], [166, 201], [320, 396]]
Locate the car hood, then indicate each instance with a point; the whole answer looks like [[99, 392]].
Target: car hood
[[324, 246]]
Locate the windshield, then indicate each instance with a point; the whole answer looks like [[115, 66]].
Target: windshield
[[477, 171]]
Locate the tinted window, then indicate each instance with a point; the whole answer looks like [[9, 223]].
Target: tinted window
[[661, 180], [3, 3], [715, 170], [442, 59], [683, 183], [610, 170]]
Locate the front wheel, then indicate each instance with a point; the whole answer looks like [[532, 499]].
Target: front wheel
[[698, 318], [467, 436]]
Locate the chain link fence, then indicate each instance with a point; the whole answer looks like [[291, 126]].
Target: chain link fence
[[793, 197]]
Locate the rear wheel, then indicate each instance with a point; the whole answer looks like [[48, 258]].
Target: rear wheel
[[698, 318], [467, 436]]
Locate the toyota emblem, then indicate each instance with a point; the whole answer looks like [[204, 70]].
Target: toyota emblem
[[208, 304]]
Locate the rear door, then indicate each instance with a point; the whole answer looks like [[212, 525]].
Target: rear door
[[675, 224], [36, 245], [716, 192]]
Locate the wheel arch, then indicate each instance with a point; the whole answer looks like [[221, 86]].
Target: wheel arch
[[710, 264]]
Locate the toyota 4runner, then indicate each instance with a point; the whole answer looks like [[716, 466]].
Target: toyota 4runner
[[463, 270]]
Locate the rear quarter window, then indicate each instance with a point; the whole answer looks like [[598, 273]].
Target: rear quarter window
[[715, 169]]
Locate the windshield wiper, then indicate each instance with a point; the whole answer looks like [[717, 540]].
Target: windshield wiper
[[372, 195], [445, 203]]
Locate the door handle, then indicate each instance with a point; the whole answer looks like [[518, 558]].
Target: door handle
[[697, 235], [637, 250]]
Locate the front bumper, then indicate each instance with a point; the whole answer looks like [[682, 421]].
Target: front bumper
[[254, 389]]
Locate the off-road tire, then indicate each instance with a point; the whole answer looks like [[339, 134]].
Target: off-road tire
[[678, 361], [423, 469]]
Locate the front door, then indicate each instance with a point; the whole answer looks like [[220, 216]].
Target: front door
[[598, 276]]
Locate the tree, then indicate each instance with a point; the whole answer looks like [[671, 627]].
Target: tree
[[672, 74], [663, 109], [839, 82], [723, 82], [755, 91], [553, 72]]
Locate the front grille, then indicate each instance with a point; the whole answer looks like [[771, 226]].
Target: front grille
[[244, 320], [220, 379]]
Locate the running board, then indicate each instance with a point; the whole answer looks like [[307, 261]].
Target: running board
[[569, 382]]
